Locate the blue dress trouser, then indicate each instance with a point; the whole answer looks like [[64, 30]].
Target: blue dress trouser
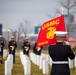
[[13, 58]]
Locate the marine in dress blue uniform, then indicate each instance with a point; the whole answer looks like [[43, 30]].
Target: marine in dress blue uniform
[[60, 54], [1, 49], [37, 51], [12, 45], [26, 46]]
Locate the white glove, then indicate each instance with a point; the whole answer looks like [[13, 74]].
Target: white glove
[[38, 49], [67, 43], [26, 48], [12, 47], [0, 45]]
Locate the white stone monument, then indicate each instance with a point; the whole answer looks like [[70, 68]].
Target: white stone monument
[[71, 63], [27, 67], [45, 67]]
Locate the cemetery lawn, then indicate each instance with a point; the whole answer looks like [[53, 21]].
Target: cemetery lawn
[[18, 68], [2, 67]]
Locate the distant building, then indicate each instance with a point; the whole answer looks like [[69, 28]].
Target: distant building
[[32, 37], [0, 29], [16, 35], [7, 33], [69, 18], [37, 29], [72, 26]]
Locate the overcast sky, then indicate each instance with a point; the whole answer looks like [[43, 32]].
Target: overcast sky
[[14, 12]]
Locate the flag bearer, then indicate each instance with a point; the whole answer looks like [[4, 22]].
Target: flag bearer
[[12, 45], [26, 46], [37, 51], [59, 54]]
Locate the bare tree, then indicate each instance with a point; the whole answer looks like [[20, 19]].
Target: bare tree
[[26, 27], [19, 33], [69, 6], [22, 29]]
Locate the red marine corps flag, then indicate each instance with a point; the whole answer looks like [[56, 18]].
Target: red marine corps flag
[[46, 35]]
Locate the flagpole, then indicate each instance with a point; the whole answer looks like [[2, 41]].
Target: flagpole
[[62, 13], [61, 10]]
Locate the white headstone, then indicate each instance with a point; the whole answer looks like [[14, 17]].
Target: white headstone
[[5, 53], [71, 63], [6, 68], [50, 61], [38, 60], [45, 67], [75, 61], [27, 67], [41, 62], [35, 59]]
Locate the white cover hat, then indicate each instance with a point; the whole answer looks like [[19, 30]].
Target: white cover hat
[[0, 36], [26, 38], [60, 33], [12, 37]]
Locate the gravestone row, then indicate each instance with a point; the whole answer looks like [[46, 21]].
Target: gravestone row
[[44, 60], [26, 63]]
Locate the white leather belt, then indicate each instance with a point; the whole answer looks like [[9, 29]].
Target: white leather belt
[[60, 62]]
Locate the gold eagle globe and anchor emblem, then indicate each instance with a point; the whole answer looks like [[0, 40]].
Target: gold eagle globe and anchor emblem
[[50, 33]]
